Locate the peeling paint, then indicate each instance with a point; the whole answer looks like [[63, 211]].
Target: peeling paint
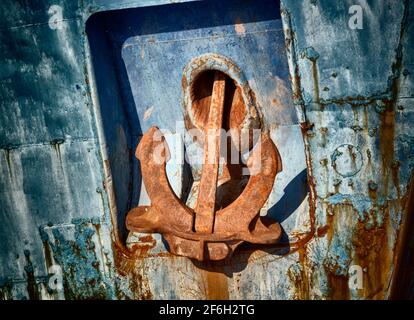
[[66, 169]]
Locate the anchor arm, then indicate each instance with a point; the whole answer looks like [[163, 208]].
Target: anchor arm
[[264, 163], [153, 154]]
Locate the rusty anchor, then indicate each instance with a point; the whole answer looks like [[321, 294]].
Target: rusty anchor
[[204, 233]]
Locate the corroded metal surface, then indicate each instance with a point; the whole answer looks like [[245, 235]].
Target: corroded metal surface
[[353, 116], [203, 233], [66, 158], [206, 201]]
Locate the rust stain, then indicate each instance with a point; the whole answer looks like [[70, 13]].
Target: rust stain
[[315, 77], [143, 247], [118, 244], [48, 254], [139, 285], [387, 137], [299, 275], [130, 265], [369, 250], [123, 258], [32, 288], [297, 94], [215, 282], [9, 163], [338, 285], [322, 231], [239, 27], [55, 143], [372, 190], [330, 225], [403, 277], [372, 253], [302, 287], [312, 194]]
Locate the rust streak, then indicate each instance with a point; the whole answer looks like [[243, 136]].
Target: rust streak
[[216, 285]]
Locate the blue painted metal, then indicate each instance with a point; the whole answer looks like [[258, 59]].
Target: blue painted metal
[[82, 80]]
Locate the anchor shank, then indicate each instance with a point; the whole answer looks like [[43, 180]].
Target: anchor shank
[[204, 218]]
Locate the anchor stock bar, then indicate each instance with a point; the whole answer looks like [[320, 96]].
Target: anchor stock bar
[[204, 219]]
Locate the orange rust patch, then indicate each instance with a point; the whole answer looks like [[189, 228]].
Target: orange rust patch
[[215, 282], [147, 238], [144, 246], [315, 77], [372, 194], [372, 253], [128, 265], [303, 286], [301, 279], [387, 137], [338, 284], [339, 289], [322, 231], [404, 252], [329, 223]]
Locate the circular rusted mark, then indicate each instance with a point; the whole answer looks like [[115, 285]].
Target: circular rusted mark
[[240, 110], [347, 160]]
